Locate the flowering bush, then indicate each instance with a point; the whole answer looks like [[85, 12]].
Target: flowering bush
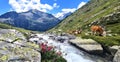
[[45, 48], [49, 55]]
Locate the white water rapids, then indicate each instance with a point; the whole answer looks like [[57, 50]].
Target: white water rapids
[[70, 53]]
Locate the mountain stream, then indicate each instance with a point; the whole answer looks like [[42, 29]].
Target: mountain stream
[[69, 52]]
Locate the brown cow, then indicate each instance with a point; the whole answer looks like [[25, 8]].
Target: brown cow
[[75, 32], [97, 30]]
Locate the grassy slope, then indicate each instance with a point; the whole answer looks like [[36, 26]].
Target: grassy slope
[[6, 26], [92, 11]]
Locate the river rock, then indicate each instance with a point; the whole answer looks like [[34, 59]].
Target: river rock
[[117, 56], [15, 48], [86, 44], [68, 35], [61, 38]]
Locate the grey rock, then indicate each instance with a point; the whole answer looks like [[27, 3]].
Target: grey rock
[[18, 51], [11, 35], [69, 36], [86, 44], [117, 56]]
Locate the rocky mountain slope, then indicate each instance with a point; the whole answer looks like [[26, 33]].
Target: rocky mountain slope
[[32, 20]]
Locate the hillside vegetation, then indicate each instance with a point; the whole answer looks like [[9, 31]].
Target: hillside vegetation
[[23, 31], [91, 12], [105, 13], [6, 26]]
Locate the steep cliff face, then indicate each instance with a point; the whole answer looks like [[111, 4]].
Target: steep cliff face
[[92, 11]]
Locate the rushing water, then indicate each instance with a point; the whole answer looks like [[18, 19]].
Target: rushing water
[[70, 53]]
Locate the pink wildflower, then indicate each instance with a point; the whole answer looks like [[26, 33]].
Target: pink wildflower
[[58, 53], [49, 48], [43, 47]]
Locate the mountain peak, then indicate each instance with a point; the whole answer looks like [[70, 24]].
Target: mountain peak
[[35, 11]]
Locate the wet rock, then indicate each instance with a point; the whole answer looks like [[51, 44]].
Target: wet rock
[[117, 56], [52, 37], [68, 35], [62, 38]]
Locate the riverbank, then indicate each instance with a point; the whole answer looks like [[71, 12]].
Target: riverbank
[[68, 52], [92, 47]]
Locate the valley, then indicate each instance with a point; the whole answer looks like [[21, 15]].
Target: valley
[[90, 34]]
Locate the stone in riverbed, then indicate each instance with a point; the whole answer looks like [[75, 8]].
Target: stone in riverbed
[[117, 56], [86, 44]]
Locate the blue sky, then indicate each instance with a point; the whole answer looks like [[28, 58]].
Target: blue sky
[[55, 7]]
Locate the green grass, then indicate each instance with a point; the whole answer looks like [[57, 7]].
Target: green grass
[[83, 16], [115, 28], [50, 56], [107, 41], [94, 11], [5, 26], [23, 31]]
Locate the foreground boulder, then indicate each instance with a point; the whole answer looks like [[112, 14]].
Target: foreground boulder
[[16, 53], [10, 35], [15, 48]]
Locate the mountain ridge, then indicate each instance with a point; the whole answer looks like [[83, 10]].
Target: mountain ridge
[[31, 20], [64, 16]]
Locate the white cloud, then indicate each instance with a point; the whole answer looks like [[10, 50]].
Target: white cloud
[[67, 10], [55, 5], [64, 11], [25, 5], [81, 4]]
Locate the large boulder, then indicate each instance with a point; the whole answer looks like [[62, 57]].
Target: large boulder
[[10, 35], [86, 44], [15, 48], [117, 56], [16, 53]]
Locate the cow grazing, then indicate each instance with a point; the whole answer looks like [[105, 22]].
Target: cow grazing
[[97, 30], [75, 32]]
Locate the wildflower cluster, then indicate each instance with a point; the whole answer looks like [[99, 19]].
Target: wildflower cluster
[[45, 48], [49, 55]]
